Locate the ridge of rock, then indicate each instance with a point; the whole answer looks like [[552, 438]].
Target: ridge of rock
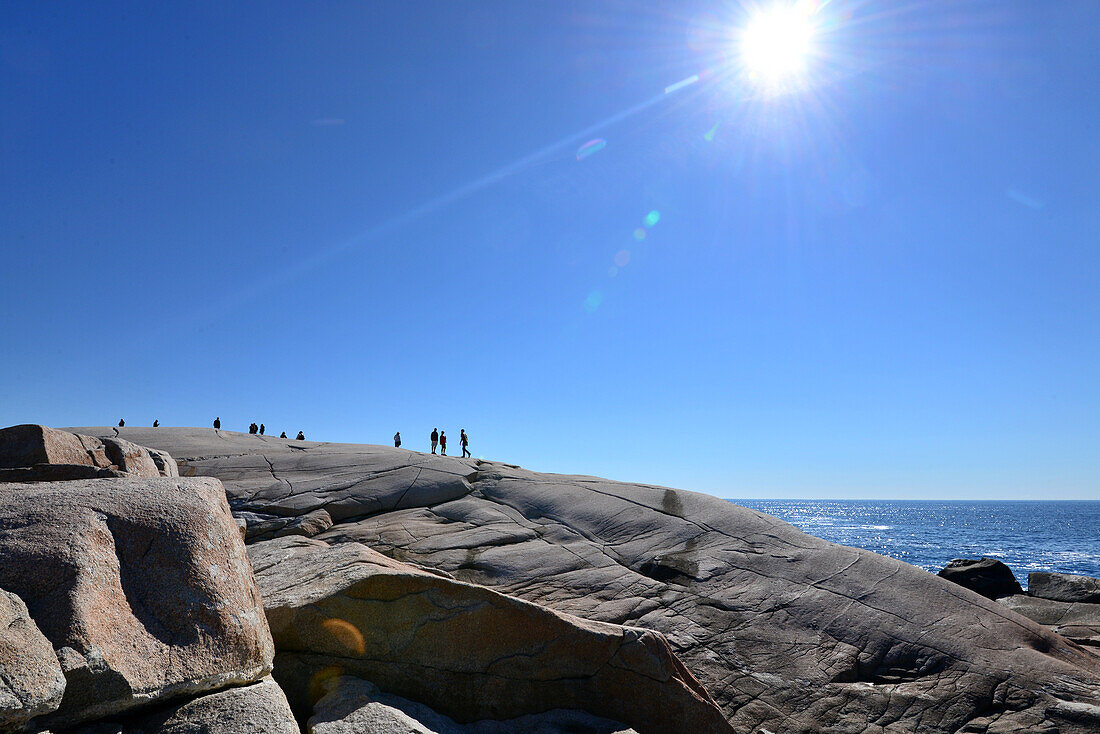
[[787, 632]]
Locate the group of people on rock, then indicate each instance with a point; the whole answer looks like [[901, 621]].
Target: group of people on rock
[[439, 439], [254, 429]]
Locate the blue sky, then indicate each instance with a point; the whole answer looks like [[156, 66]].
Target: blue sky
[[355, 218]]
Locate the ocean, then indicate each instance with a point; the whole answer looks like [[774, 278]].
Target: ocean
[[1027, 536]]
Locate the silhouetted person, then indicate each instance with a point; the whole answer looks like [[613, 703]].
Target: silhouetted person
[[253, 428], [156, 423], [301, 436], [442, 443], [217, 423], [121, 423], [282, 435], [262, 429], [397, 440], [465, 441], [435, 438]]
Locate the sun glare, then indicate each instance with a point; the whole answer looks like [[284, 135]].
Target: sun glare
[[777, 43]]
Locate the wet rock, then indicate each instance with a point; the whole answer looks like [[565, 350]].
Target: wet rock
[[1064, 587], [31, 681], [987, 576], [354, 706], [467, 652], [142, 586]]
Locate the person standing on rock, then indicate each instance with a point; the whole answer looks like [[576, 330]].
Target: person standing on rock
[[465, 441], [262, 429], [252, 428], [397, 440], [442, 443], [217, 423], [301, 436], [435, 438]]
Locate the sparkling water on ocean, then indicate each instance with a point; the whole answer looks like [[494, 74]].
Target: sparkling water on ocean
[[1028, 536]]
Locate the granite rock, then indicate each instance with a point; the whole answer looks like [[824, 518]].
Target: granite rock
[[142, 586], [41, 454], [1064, 587], [987, 576], [31, 681], [786, 632], [463, 650], [259, 708], [1076, 621], [354, 706]]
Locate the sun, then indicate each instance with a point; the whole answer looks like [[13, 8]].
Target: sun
[[777, 43]]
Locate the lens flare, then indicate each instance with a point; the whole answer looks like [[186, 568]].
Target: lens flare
[[590, 148]]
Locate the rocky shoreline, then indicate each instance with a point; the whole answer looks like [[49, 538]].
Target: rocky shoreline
[[173, 580]]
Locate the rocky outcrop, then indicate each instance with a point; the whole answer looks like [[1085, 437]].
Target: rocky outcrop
[[33, 453], [1065, 587], [354, 706], [787, 632], [31, 681], [142, 585], [463, 650], [1076, 621], [987, 576]]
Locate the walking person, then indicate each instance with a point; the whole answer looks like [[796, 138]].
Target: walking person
[[217, 423], [435, 438], [465, 441], [442, 443], [262, 429], [397, 440]]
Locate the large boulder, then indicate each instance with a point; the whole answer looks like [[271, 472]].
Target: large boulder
[[31, 681], [1066, 587], [33, 453], [354, 706], [987, 576], [787, 632], [142, 586], [464, 650]]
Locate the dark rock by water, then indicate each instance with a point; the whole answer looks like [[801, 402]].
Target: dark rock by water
[[987, 576], [1064, 587]]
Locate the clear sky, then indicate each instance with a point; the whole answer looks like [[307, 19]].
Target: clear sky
[[878, 279]]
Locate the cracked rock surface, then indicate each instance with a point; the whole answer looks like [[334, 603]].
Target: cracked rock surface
[[142, 586], [463, 650], [788, 633]]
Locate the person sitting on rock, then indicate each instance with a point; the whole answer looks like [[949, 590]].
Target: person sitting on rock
[[282, 435], [262, 429], [301, 436], [121, 423], [252, 428], [435, 438], [465, 441], [217, 423], [442, 443], [155, 423], [397, 440]]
